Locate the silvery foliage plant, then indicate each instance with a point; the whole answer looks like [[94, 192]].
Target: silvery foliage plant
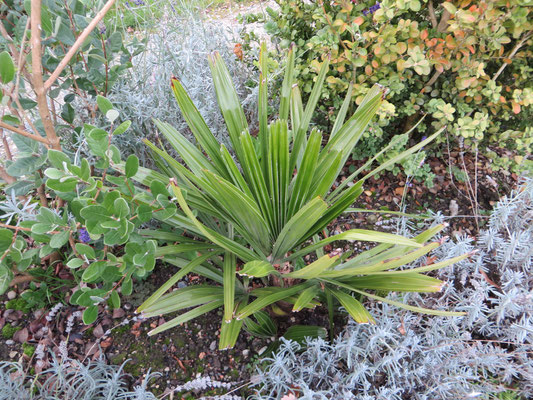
[[179, 48], [69, 379], [410, 356]]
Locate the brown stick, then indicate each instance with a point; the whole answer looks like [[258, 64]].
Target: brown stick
[[37, 76], [432, 16], [512, 54], [22, 132], [6, 177], [79, 41], [6, 145], [443, 24]]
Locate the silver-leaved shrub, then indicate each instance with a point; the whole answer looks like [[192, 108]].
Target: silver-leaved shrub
[[179, 48]]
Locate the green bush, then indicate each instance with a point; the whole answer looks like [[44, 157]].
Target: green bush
[[257, 216], [464, 64]]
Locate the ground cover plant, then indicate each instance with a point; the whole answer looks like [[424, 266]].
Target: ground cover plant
[[463, 64]]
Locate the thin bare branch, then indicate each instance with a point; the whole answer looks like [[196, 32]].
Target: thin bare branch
[[432, 16], [443, 23], [24, 133], [37, 75], [79, 41], [512, 54], [6, 177]]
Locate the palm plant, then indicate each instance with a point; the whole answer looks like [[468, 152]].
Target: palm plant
[[252, 211]]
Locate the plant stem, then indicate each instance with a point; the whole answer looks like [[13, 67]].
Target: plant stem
[[37, 76], [77, 44]]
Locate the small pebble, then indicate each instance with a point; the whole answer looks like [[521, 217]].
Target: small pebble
[[11, 294], [245, 353], [213, 345], [182, 285], [9, 342], [13, 354]]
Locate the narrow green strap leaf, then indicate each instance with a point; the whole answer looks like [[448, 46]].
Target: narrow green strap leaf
[[229, 333], [339, 121], [263, 105], [349, 268], [357, 234], [255, 178], [297, 111], [295, 231], [190, 296], [194, 313], [304, 177], [314, 269], [305, 298], [193, 157], [411, 282], [408, 307], [346, 200], [430, 267], [181, 248], [228, 101], [301, 131], [230, 266], [175, 278], [243, 211], [354, 307], [239, 250], [235, 175], [286, 87], [206, 270], [278, 172], [399, 213], [198, 127], [325, 177], [350, 133], [263, 301]]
